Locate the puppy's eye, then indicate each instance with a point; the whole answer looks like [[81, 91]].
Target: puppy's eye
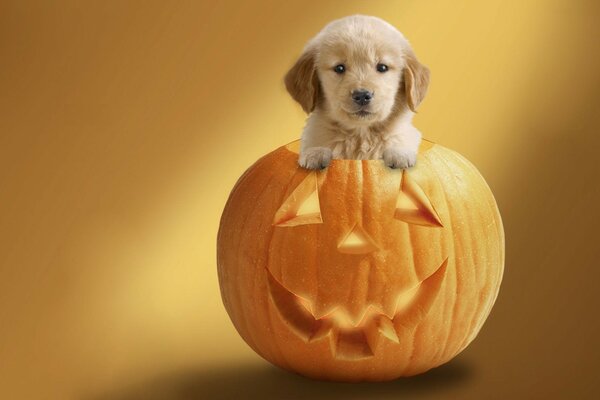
[[382, 68], [339, 69]]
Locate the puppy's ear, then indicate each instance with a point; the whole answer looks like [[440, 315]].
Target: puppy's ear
[[302, 81], [416, 81]]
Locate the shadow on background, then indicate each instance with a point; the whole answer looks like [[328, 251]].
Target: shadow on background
[[265, 381]]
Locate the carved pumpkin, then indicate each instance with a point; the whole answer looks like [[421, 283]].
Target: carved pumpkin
[[360, 272]]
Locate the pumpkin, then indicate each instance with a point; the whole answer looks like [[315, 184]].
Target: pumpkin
[[359, 272]]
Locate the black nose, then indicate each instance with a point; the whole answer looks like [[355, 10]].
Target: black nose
[[362, 97]]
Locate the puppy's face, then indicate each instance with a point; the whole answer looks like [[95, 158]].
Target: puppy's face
[[359, 79], [358, 70]]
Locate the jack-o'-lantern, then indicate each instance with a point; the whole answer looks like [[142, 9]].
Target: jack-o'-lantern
[[360, 272]]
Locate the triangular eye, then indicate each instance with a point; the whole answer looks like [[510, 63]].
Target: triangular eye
[[413, 206], [302, 206]]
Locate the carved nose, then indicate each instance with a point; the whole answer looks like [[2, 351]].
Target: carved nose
[[362, 97], [357, 241]]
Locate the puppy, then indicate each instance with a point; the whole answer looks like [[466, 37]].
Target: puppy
[[360, 83]]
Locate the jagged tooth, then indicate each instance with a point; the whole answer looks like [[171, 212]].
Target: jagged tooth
[[372, 335], [322, 329], [381, 329], [353, 345], [382, 310], [386, 328]]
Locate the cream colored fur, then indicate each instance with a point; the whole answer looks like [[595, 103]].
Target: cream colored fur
[[333, 129]]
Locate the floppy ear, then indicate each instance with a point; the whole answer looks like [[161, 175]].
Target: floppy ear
[[416, 81], [302, 81]]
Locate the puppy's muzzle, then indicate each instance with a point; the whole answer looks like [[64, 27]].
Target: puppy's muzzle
[[362, 97]]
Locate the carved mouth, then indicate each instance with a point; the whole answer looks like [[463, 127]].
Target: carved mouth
[[355, 340]]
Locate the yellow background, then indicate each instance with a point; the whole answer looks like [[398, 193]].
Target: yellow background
[[124, 125]]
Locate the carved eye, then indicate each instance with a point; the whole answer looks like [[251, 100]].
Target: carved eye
[[413, 205], [302, 206]]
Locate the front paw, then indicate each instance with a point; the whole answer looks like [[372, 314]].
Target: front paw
[[315, 158], [399, 158]]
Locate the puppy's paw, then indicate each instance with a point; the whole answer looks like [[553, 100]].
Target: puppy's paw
[[315, 158], [399, 158]]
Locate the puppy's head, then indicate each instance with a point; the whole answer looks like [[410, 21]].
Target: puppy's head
[[359, 70]]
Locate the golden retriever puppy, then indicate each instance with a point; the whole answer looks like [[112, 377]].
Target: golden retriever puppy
[[361, 83]]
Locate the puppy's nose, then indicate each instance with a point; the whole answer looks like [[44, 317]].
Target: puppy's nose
[[362, 96]]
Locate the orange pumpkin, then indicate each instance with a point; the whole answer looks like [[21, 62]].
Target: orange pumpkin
[[359, 272]]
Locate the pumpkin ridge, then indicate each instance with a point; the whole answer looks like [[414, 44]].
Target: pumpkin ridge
[[281, 357], [413, 347], [469, 238], [493, 206], [255, 204], [481, 304], [278, 162], [372, 226], [359, 294], [488, 198], [250, 173], [424, 302], [450, 226]]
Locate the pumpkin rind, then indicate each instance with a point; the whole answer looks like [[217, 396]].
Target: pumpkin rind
[[453, 233]]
